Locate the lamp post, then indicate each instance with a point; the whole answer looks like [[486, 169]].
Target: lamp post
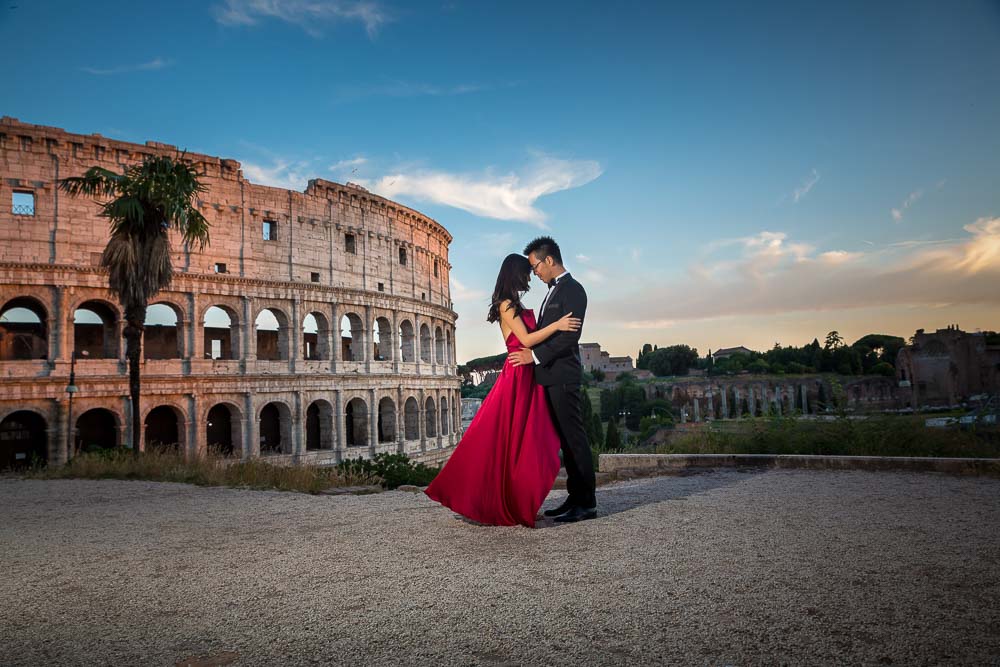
[[624, 414], [71, 389]]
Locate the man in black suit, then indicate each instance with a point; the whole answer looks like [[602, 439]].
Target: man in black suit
[[558, 369]]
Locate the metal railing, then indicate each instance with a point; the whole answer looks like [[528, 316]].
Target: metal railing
[[22, 209]]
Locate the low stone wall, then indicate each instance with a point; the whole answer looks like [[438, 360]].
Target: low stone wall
[[654, 464]]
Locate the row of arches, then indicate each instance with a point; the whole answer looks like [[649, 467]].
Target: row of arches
[[24, 334], [25, 434]]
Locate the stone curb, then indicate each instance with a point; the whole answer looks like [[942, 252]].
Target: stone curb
[[632, 465], [351, 490]]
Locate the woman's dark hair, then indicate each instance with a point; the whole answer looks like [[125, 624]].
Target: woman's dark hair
[[515, 272]]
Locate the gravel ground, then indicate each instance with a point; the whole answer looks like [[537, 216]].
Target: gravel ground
[[781, 566]]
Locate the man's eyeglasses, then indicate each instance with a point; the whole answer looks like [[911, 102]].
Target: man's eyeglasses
[[535, 265]]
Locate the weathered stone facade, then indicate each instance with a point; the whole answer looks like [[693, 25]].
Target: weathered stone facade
[[734, 398], [594, 358], [332, 258], [947, 367]]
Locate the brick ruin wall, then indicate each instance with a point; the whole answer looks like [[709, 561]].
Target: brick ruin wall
[[335, 251]]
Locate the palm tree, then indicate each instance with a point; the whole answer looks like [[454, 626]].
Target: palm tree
[[145, 201]]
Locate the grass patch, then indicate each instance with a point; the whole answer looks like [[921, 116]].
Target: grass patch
[[211, 469], [875, 436]]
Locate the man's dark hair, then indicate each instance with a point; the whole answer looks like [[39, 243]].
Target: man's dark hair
[[544, 246]]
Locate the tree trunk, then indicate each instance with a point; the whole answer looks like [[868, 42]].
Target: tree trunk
[[135, 319]]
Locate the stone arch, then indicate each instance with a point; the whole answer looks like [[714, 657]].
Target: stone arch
[[448, 349], [411, 419], [382, 336], [271, 327], [315, 336], [407, 350], [220, 332], [386, 420], [430, 417], [97, 428], [319, 425], [356, 422], [163, 428], [163, 332], [352, 337], [438, 345], [24, 439], [95, 330], [445, 417], [274, 426], [24, 331], [224, 429], [425, 343]]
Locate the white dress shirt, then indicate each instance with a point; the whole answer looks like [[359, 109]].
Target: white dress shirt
[[545, 301]]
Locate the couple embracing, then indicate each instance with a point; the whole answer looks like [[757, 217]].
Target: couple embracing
[[508, 459]]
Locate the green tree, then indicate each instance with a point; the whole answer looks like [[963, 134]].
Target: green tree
[[143, 204], [883, 368], [612, 440], [833, 340]]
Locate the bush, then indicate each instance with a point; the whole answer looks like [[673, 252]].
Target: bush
[[874, 436], [883, 368], [393, 469]]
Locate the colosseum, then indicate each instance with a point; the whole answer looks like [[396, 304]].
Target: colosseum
[[317, 326]]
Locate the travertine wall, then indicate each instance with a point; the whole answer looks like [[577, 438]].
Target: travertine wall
[[48, 265]]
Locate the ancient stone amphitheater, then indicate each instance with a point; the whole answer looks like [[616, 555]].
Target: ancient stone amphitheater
[[317, 326]]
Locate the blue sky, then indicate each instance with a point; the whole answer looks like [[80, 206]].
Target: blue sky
[[719, 174]]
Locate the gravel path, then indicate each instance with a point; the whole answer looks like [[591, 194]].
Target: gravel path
[[796, 567]]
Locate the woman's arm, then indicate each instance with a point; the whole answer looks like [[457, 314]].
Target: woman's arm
[[566, 323]]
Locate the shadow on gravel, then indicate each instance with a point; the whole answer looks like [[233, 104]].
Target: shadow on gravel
[[629, 495]]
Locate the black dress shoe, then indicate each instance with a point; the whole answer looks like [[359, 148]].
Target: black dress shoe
[[578, 514], [562, 509]]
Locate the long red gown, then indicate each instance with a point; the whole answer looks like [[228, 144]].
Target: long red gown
[[505, 465]]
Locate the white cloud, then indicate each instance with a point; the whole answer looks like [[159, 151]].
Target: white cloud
[[582, 259], [403, 89], [508, 197], [775, 276], [499, 241], [911, 199], [154, 64], [806, 185], [291, 175], [461, 294], [310, 15], [593, 276], [346, 165]]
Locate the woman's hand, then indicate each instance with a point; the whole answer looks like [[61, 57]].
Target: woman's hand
[[568, 323]]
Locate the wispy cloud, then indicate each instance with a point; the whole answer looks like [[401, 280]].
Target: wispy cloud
[[509, 197], [774, 275], [582, 259], [807, 184], [462, 294], [154, 64], [498, 240], [404, 89], [911, 199], [281, 173], [310, 15], [348, 165]]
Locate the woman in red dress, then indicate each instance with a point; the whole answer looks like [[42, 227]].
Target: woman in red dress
[[505, 464]]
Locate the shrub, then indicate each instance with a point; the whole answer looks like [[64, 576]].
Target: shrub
[[393, 469]]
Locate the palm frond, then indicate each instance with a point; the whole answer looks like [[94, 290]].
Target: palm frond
[[95, 182]]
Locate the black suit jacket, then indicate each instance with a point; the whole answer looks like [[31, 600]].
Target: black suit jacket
[[559, 355]]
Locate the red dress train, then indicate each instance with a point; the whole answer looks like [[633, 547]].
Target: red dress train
[[504, 466]]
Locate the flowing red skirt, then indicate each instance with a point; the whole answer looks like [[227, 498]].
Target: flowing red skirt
[[505, 465]]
